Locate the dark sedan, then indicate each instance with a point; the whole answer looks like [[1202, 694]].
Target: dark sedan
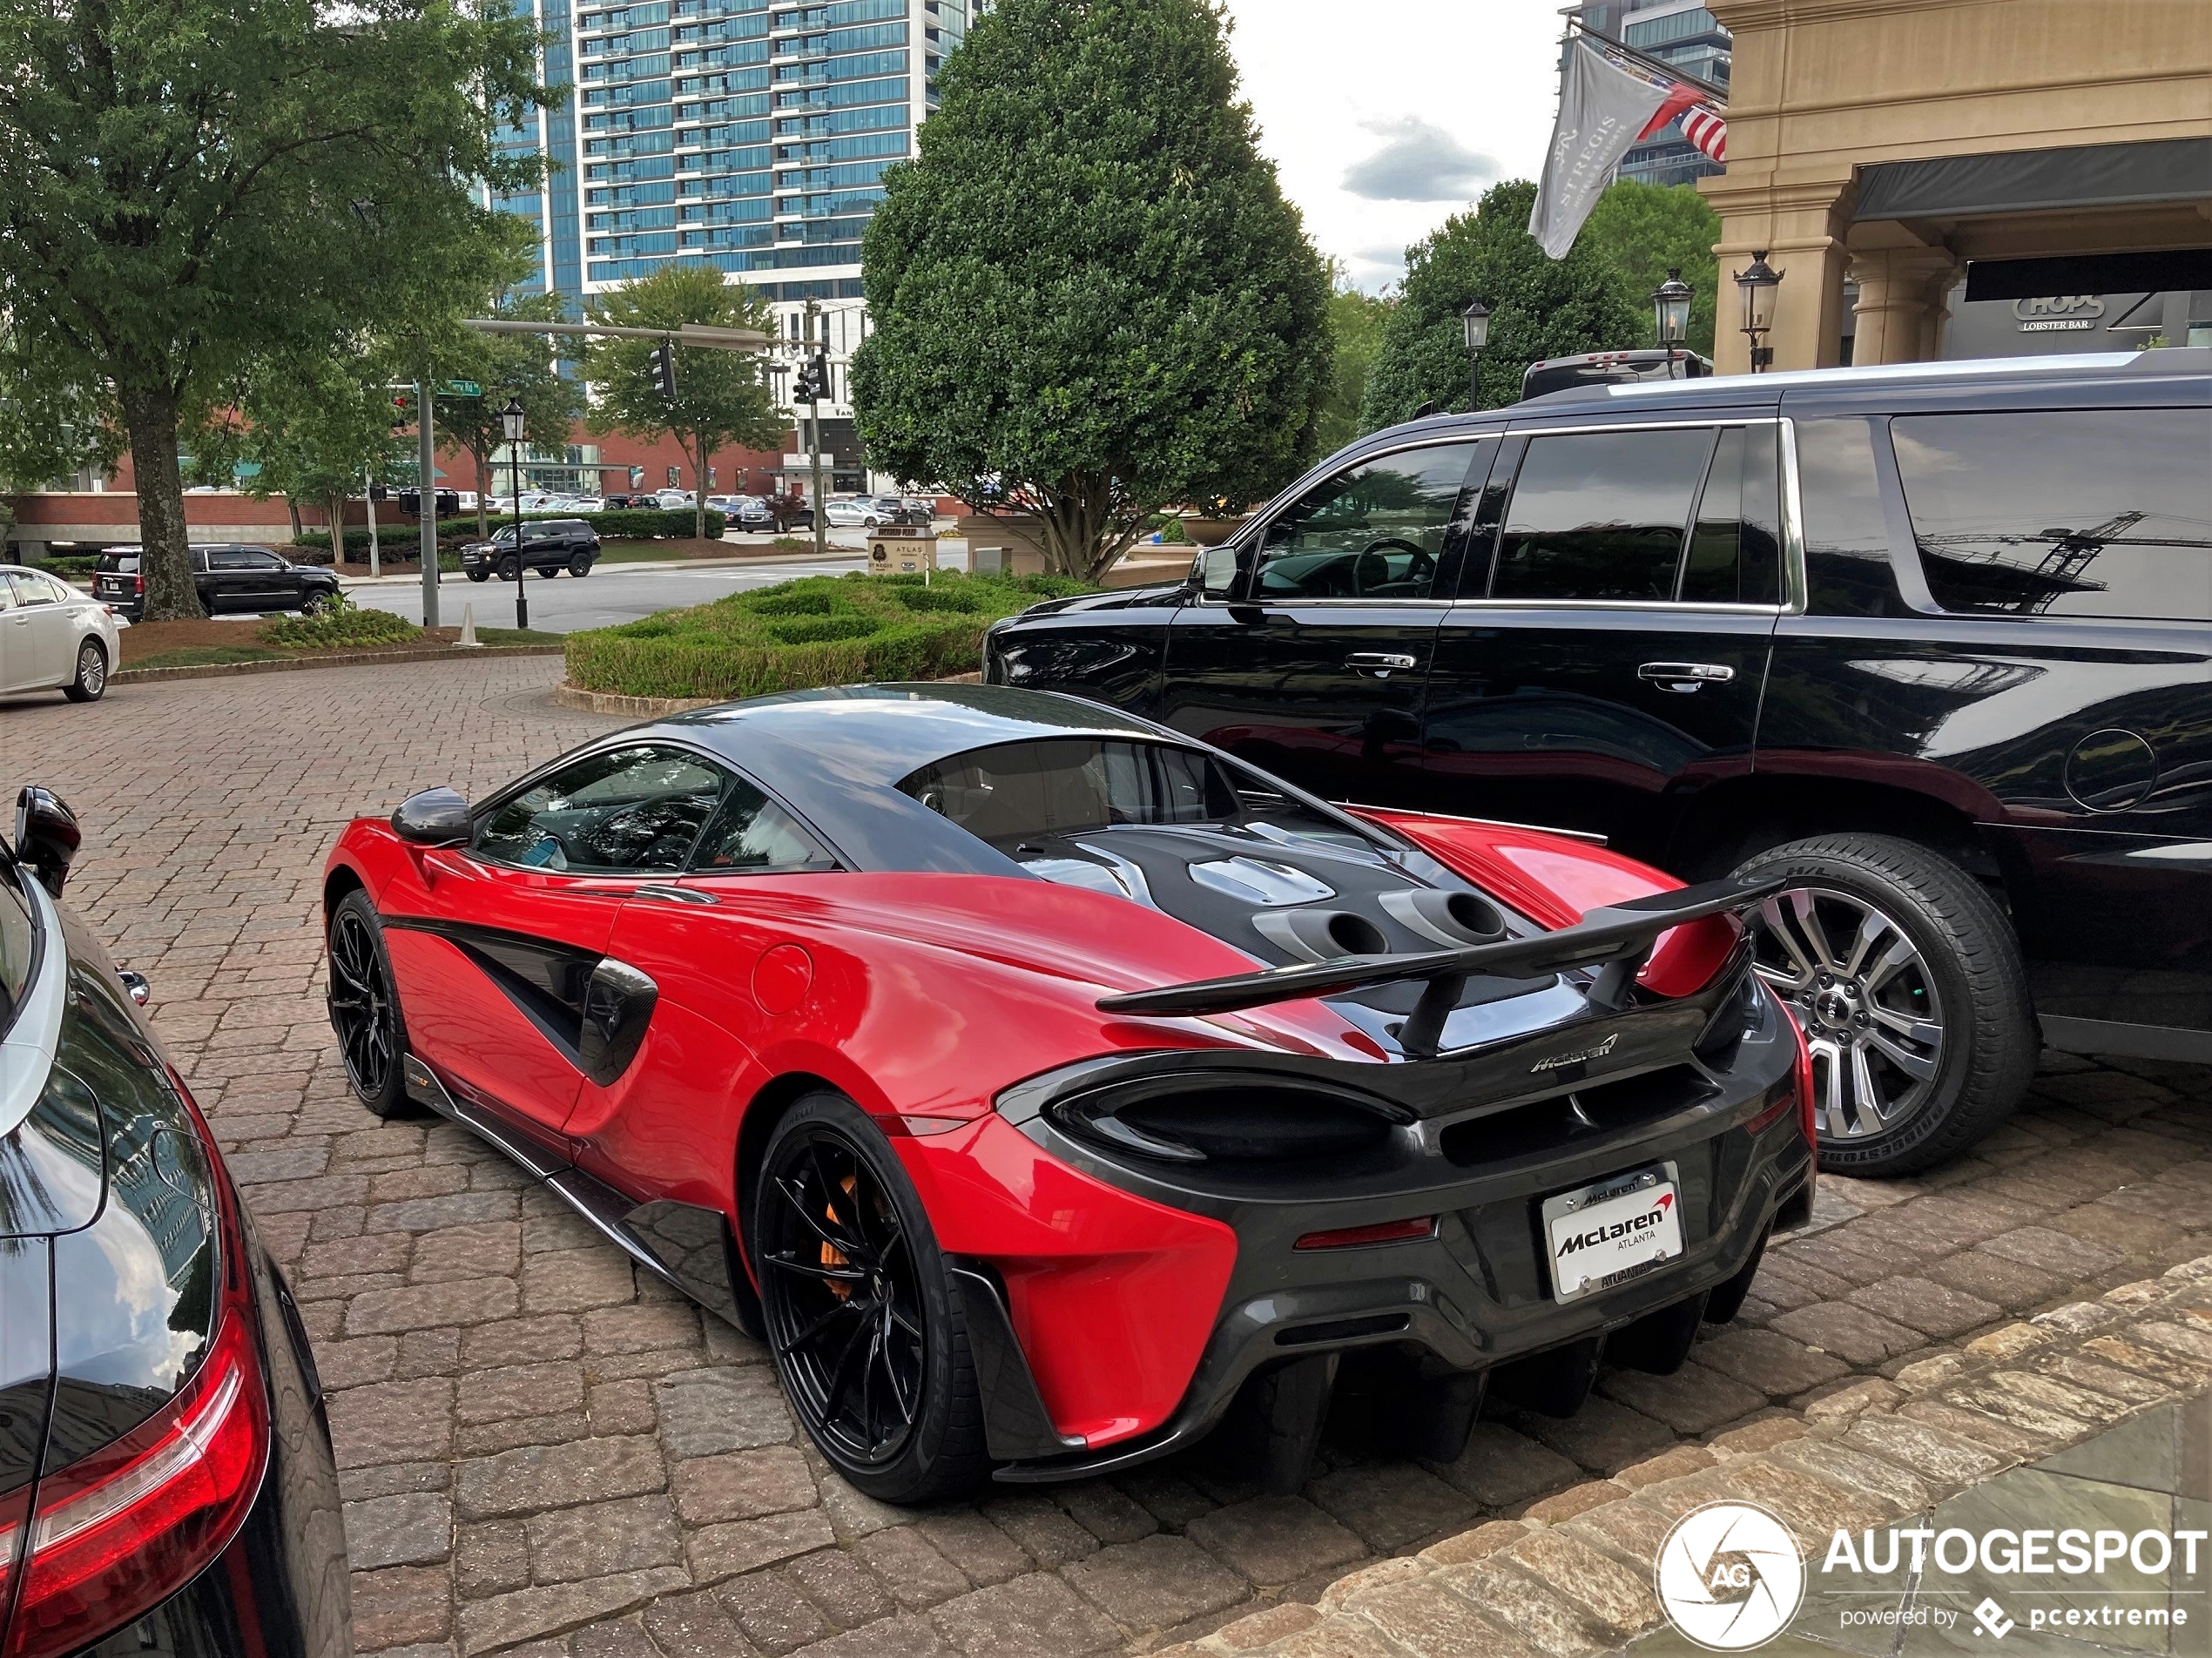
[[167, 1481]]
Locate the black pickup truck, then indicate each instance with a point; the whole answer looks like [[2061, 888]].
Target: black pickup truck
[[232, 580]]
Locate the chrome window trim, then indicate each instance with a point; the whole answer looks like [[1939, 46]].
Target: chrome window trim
[[28, 1049], [1793, 552], [1275, 509]]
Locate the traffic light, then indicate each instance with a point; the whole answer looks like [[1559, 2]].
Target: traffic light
[[664, 369], [813, 385]]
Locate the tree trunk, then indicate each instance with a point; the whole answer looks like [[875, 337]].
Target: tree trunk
[[336, 508], [699, 480], [150, 421], [292, 506]]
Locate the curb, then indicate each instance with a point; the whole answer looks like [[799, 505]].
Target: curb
[[1868, 1454], [337, 659], [610, 702], [733, 561]]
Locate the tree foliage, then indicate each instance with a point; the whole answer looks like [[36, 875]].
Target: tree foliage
[[308, 428], [507, 365], [1644, 231], [722, 397], [1091, 298], [1356, 325], [1539, 307], [189, 186]]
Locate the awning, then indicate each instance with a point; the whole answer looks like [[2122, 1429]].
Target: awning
[[2020, 181], [2180, 270]]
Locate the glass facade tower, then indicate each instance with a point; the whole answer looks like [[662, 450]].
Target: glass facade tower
[[1685, 36]]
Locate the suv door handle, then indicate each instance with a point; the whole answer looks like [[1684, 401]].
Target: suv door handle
[[1380, 661], [1686, 675]]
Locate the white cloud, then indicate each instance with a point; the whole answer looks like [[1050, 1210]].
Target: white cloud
[[1325, 80]]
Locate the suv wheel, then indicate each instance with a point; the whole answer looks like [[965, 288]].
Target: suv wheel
[[1907, 981], [510, 569], [314, 603], [579, 564]]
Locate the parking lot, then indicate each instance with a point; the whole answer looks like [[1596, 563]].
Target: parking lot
[[542, 1451]]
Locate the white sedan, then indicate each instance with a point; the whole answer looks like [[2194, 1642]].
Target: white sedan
[[53, 637], [851, 515]]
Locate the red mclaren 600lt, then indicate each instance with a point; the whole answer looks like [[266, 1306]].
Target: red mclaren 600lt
[[1049, 1091]]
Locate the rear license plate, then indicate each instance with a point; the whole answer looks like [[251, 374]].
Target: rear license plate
[[1611, 1231]]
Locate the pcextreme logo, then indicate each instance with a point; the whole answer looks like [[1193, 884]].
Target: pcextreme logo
[[1730, 1576]]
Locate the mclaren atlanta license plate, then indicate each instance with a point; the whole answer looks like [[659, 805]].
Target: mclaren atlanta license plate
[[1616, 1229]]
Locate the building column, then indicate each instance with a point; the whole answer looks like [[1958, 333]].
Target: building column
[[1902, 302], [1800, 225]]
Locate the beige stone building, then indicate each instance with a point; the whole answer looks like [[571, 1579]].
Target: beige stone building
[[1897, 141]]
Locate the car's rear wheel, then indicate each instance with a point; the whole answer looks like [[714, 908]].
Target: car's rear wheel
[[863, 1320], [1907, 981], [365, 1008], [579, 564], [91, 683]]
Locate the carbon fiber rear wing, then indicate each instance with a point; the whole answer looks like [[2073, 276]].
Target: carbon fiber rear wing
[[1615, 939]]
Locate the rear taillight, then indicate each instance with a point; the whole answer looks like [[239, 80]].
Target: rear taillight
[[117, 1533], [1808, 1113], [138, 585]]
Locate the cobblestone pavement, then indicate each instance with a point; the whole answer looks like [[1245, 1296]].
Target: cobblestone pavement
[[541, 1451]]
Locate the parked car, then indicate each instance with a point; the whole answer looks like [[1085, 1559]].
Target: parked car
[[790, 513], [750, 513], [230, 577], [1934, 641], [548, 546], [1611, 369], [670, 500], [186, 1499], [683, 973], [54, 638], [848, 512]]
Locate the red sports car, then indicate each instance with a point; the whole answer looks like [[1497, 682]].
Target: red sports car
[[1049, 1091]]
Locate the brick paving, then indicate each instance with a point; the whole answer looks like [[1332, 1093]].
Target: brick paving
[[542, 1452]]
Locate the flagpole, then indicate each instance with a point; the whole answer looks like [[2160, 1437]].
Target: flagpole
[[1645, 60]]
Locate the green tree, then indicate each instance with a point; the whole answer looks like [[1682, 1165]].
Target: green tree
[[1356, 325], [1644, 231], [1539, 307], [52, 424], [721, 396], [1090, 299], [507, 365], [188, 184]]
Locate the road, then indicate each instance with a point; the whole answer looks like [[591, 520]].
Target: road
[[612, 593]]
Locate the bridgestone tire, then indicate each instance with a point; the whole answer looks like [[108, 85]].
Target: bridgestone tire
[[1990, 1040]]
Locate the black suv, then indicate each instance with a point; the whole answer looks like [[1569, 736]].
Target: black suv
[[1935, 641], [550, 546], [232, 580]]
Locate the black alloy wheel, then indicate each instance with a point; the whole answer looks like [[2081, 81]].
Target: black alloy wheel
[[579, 564], [364, 1008], [480, 576], [315, 603], [862, 1317], [91, 683], [510, 570]]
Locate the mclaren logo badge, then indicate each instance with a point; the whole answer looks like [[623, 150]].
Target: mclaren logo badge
[[1581, 1056]]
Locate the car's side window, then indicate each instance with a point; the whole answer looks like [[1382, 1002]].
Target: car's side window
[[636, 809], [229, 558], [254, 558], [1735, 554], [31, 588], [751, 834], [1601, 515], [2062, 512], [1376, 530]]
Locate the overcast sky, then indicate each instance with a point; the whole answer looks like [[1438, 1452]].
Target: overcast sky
[[1386, 116]]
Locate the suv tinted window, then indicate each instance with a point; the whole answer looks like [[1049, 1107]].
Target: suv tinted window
[[635, 809], [1601, 515], [1374, 531], [1847, 541], [118, 564], [2081, 512], [1735, 554]]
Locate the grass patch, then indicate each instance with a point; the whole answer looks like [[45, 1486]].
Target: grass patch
[[817, 631], [631, 552], [206, 655]]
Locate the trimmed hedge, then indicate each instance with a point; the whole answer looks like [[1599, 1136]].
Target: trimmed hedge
[[817, 631], [402, 539], [347, 625]]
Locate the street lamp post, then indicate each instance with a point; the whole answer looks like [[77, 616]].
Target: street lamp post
[[511, 420], [1476, 322], [1670, 315], [1756, 288]]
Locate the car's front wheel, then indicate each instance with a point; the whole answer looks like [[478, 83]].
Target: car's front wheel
[[1907, 981], [863, 1320], [510, 570], [365, 1007], [315, 603], [480, 576], [91, 683]]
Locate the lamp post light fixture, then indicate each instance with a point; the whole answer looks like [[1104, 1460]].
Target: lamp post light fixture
[[1475, 321], [511, 420], [1670, 315], [1756, 286]]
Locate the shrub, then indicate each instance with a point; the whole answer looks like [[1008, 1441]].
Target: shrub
[[344, 623], [817, 631]]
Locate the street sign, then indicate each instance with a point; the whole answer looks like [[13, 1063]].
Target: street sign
[[460, 388]]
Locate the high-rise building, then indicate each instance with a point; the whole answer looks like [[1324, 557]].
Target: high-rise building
[[750, 134], [1686, 38]]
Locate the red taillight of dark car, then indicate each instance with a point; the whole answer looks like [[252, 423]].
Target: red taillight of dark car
[[118, 1532]]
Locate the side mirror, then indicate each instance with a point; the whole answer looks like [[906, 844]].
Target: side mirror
[[46, 836], [1218, 569], [433, 818]]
